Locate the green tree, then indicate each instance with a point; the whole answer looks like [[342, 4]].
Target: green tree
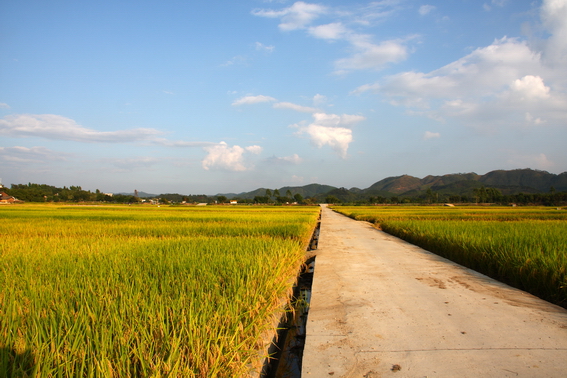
[[221, 199], [261, 199], [332, 199], [430, 195]]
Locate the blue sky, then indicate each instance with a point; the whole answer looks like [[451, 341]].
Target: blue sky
[[227, 96]]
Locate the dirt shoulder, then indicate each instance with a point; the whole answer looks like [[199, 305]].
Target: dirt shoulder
[[382, 307]]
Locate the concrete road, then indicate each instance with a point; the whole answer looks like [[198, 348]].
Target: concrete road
[[382, 307]]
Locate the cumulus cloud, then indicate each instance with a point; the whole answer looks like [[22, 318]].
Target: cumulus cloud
[[248, 100], [530, 87], [51, 126], [223, 157], [367, 54], [297, 16], [254, 149], [510, 83], [338, 138], [329, 130], [20, 154], [480, 73], [297, 108]]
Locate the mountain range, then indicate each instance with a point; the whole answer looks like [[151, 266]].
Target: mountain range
[[506, 181]]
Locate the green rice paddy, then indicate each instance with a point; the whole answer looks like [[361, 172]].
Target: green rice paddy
[[145, 291]]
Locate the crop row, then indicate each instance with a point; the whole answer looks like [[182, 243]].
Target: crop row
[[89, 292], [526, 248]]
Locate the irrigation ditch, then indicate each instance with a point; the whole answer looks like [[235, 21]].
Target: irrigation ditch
[[286, 350]]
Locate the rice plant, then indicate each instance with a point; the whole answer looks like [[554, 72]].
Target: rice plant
[[116, 292]]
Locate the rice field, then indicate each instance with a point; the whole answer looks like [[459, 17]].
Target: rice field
[[524, 247], [145, 291]]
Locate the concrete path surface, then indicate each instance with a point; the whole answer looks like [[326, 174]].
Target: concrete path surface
[[381, 307]]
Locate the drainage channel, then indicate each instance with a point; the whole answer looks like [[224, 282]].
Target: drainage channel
[[286, 353]]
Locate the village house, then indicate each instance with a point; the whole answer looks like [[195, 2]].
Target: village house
[[6, 198]]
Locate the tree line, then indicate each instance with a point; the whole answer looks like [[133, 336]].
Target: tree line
[[45, 193]]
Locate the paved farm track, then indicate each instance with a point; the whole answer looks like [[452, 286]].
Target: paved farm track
[[382, 307]]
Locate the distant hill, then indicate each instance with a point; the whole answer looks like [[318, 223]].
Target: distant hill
[[540, 180], [310, 190], [518, 180], [405, 183], [461, 184]]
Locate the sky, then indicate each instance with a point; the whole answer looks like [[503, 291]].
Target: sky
[[206, 97]]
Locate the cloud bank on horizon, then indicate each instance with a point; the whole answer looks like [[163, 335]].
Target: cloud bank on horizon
[[268, 94]]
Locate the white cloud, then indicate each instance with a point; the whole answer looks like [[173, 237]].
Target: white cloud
[[293, 159], [430, 135], [297, 16], [366, 87], [483, 72], [325, 119], [254, 149], [51, 126], [554, 17], [247, 100], [20, 154], [366, 54], [426, 9], [4, 105], [262, 47], [533, 121], [372, 56], [338, 138], [223, 157], [328, 129], [297, 108], [504, 85], [335, 30], [530, 87], [319, 99]]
